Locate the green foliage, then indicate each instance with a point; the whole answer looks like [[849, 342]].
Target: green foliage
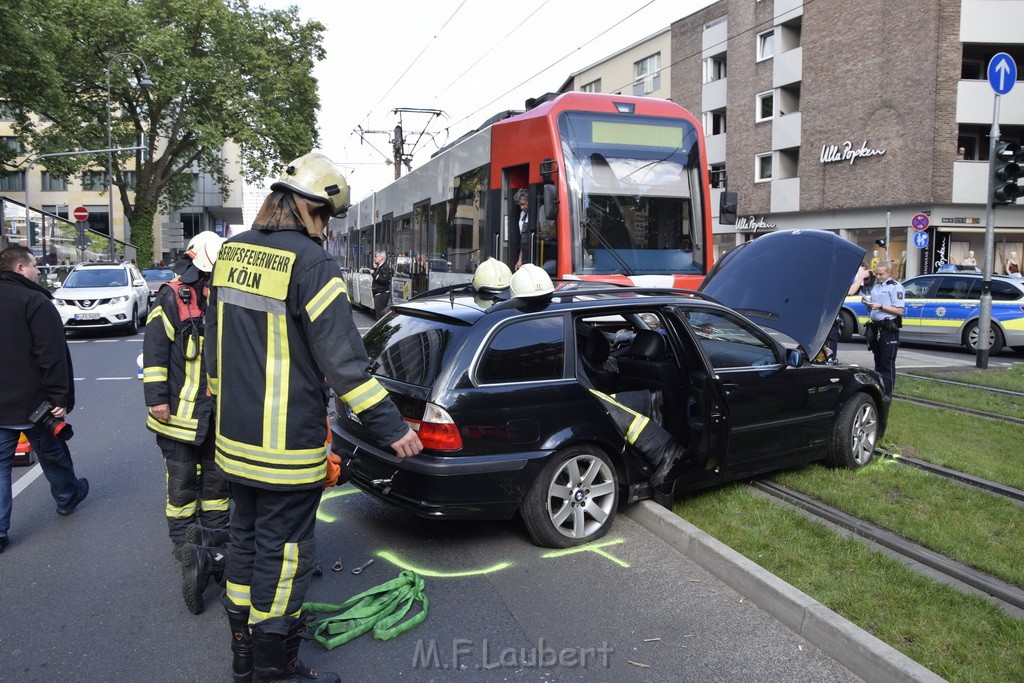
[[223, 71]]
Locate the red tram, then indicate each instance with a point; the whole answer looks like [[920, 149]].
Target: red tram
[[617, 191]]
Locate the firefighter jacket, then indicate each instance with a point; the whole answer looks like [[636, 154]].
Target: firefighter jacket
[[278, 325], [173, 369]]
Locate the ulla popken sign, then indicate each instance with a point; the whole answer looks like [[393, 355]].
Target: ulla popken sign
[[846, 152], [753, 224]]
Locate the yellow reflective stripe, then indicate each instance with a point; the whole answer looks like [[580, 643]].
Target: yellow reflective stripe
[[635, 427], [256, 616], [158, 312], [214, 505], [270, 474], [184, 511], [190, 389], [238, 594], [154, 373], [275, 415], [214, 384], [289, 567], [319, 303], [280, 456], [173, 428], [366, 395]]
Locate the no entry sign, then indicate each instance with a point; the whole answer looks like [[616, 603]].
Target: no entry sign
[[81, 213]]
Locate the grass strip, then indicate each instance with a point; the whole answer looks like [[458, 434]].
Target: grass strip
[[961, 522], [1011, 379], [966, 397], [984, 448], [960, 637]]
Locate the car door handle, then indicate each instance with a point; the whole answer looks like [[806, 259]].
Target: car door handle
[[730, 388]]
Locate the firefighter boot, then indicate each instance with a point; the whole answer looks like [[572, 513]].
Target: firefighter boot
[[241, 645], [295, 666], [668, 457], [270, 660], [211, 538], [198, 563]]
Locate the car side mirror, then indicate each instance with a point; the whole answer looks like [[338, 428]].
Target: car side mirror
[[550, 202], [794, 358]]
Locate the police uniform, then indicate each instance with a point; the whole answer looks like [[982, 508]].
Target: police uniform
[[885, 325], [278, 324], [174, 374]]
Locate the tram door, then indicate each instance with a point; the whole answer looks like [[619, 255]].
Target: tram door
[[513, 178]]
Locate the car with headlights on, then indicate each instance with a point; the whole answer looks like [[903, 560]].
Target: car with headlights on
[[944, 308], [500, 392], [103, 295]]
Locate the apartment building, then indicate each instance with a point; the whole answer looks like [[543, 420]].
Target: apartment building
[[642, 69]]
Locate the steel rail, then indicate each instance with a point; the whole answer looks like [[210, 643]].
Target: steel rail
[[998, 589], [961, 384], [960, 409], [970, 480]]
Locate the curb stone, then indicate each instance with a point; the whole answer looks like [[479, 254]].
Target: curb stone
[[863, 654]]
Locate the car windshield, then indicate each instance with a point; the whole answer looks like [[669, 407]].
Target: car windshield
[[158, 274], [100, 277]]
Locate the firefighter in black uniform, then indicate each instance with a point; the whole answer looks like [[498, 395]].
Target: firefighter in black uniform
[[278, 324], [885, 308], [181, 415]]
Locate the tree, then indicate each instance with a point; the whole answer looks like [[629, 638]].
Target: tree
[[223, 71]]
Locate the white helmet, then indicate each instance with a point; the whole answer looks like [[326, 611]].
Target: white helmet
[[316, 177], [531, 281], [203, 250], [491, 276]]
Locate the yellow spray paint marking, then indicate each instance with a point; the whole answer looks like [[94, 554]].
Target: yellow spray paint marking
[[593, 548], [402, 564], [322, 516]]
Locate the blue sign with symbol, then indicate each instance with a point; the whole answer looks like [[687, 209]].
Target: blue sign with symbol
[[1002, 73], [920, 240]]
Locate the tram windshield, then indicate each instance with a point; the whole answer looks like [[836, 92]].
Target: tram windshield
[[635, 196]]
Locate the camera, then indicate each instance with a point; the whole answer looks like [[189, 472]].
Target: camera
[[58, 427]]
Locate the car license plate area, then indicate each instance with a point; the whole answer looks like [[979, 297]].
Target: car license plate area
[[87, 316]]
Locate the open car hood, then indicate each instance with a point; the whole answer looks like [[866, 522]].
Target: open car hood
[[792, 281]]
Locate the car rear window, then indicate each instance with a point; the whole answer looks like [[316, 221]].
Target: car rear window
[[410, 350]]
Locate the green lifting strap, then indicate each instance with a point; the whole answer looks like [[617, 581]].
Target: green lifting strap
[[380, 608]]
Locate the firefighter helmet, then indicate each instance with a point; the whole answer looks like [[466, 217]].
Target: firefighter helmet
[[531, 281], [491, 276], [316, 177], [203, 250]]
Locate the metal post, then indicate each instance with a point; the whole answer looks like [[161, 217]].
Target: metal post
[[985, 316], [888, 243]]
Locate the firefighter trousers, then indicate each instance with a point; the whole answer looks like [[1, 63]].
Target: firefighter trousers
[[196, 490], [273, 554]]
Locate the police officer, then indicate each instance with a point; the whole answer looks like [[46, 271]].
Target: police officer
[[885, 309], [278, 324], [181, 416]]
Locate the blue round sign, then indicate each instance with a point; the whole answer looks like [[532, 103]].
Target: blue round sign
[[1002, 73], [920, 240]]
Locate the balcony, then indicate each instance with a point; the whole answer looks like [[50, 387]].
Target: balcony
[[788, 67], [715, 38], [713, 95], [716, 148], [786, 131], [788, 9], [785, 195], [974, 103], [970, 182]]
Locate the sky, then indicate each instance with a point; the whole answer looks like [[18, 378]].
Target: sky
[[469, 58]]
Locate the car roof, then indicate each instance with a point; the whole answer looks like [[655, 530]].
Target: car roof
[[973, 276], [101, 264]]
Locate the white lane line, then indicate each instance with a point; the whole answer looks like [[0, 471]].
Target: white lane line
[[29, 477], [107, 341], [101, 379]]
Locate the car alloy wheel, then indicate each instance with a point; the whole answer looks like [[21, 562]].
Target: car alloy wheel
[[573, 499], [855, 433]]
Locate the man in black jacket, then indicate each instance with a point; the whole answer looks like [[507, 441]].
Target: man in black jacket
[[380, 286], [36, 369]]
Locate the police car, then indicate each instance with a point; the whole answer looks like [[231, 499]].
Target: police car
[[943, 308]]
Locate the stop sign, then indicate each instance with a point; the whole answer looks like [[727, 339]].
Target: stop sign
[[81, 213]]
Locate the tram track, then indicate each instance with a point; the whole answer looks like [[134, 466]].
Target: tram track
[[992, 487], [966, 385], [1007, 596], [961, 409]]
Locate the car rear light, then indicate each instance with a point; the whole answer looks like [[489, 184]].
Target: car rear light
[[437, 430]]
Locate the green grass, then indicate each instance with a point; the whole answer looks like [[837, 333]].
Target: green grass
[[961, 522], [1011, 379], [959, 637], [966, 397], [984, 448]]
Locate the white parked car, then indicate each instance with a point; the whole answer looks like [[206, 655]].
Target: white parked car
[[101, 295]]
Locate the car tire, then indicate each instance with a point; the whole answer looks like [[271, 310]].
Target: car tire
[[849, 325], [132, 328], [573, 500], [855, 433], [971, 338]]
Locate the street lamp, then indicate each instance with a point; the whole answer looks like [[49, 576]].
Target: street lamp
[[145, 82]]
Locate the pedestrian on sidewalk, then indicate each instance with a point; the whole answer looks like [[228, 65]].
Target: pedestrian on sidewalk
[[36, 378]]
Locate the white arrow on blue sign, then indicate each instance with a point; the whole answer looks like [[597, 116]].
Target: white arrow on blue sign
[[1002, 73], [920, 240]]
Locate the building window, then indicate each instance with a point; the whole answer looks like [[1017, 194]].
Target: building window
[[12, 182], [648, 75], [6, 113], [714, 122], [763, 167], [131, 178], [12, 142], [52, 183], [593, 86], [717, 175], [765, 45], [94, 181], [765, 108], [714, 69]]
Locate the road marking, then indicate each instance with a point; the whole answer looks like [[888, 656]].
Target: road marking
[[327, 495], [29, 477], [107, 341], [402, 564], [594, 548], [102, 379]]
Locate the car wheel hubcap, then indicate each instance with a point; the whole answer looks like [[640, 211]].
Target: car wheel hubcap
[[865, 433], [975, 335], [581, 496]]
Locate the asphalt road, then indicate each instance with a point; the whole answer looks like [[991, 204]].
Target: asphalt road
[[96, 596]]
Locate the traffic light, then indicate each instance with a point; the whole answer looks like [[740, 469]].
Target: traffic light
[[1008, 160]]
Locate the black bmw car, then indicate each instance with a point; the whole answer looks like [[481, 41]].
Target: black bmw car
[[500, 392]]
